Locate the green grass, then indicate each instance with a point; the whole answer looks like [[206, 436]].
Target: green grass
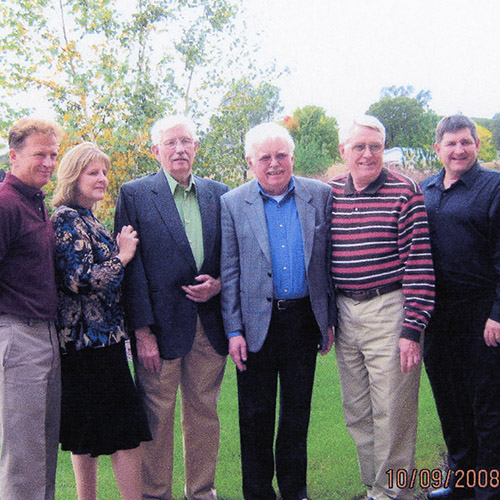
[[333, 470]]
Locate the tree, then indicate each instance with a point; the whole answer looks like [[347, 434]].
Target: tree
[[495, 130], [109, 69], [406, 122], [316, 139], [487, 150], [222, 150], [423, 97], [493, 125]]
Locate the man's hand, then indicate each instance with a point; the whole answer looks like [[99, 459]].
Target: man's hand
[[409, 351], [147, 349], [492, 333], [208, 288], [238, 351], [330, 342]]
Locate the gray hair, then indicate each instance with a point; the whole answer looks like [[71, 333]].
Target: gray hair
[[361, 121], [269, 130], [454, 123], [170, 122]]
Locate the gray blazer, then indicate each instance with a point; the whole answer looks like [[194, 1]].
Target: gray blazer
[[246, 269]]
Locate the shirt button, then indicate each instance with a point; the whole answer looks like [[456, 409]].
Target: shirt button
[[286, 290], [284, 267]]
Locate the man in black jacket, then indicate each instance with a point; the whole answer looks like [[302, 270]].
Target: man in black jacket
[[171, 292]]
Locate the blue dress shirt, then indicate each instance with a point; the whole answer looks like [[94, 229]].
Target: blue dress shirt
[[287, 246], [286, 243]]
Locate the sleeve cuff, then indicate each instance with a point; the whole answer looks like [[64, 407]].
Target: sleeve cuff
[[410, 334], [495, 312]]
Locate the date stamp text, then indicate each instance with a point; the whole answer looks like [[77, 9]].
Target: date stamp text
[[436, 478]]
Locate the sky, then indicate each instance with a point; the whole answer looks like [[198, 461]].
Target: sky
[[341, 53]]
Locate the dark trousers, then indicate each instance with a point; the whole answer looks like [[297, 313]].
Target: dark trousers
[[289, 353], [465, 378]]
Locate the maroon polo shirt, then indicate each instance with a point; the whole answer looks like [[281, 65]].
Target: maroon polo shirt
[[27, 243]]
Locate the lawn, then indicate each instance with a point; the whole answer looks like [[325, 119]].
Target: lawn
[[333, 470]]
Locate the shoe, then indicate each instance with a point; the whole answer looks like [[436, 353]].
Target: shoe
[[450, 494], [441, 494]]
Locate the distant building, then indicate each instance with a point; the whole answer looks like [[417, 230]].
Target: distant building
[[394, 157]]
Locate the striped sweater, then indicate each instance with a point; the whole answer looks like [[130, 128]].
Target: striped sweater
[[380, 236]]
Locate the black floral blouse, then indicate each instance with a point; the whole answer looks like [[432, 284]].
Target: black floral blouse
[[88, 276]]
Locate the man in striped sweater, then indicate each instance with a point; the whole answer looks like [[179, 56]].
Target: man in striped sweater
[[382, 270]]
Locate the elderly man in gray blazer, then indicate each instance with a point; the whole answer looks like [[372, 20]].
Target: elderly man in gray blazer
[[278, 308]]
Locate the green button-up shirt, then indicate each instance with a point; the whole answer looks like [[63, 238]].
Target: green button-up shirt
[[187, 205]]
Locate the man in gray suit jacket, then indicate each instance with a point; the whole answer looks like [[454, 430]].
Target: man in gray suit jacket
[[278, 308], [171, 292]]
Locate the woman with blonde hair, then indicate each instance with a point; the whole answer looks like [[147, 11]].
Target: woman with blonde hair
[[101, 413]]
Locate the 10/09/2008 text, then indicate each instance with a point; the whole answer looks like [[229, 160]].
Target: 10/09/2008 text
[[435, 478]]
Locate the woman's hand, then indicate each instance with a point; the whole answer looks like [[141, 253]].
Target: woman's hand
[[127, 241]]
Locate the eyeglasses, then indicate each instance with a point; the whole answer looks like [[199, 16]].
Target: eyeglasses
[[267, 159], [186, 142], [374, 148]]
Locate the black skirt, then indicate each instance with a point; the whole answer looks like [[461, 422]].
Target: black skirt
[[101, 412]]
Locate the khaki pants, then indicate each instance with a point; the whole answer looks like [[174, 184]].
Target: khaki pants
[[30, 400], [380, 402], [199, 375]]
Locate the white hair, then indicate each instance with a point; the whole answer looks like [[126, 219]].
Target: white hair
[[361, 121], [169, 122], [260, 133]]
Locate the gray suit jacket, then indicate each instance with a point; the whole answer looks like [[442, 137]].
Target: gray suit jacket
[[246, 269]]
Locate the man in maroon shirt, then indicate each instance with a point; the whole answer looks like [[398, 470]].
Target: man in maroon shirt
[[382, 270], [29, 354]]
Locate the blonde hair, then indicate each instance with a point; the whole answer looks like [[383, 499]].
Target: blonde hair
[[71, 167], [27, 126]]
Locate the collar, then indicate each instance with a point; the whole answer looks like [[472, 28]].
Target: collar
[[372, 188], [467, 179], [288, 193], [81, 210], [27, 191], [173, 184]]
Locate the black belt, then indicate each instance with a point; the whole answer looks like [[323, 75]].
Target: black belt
[[371, 292], [287, 304]]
